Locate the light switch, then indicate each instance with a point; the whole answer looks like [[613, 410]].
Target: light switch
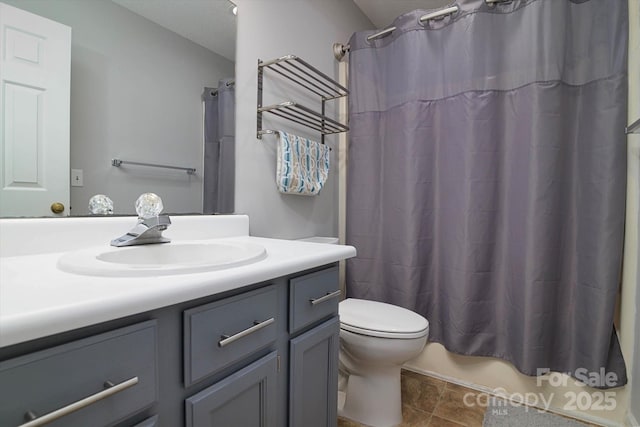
[[76, 178]]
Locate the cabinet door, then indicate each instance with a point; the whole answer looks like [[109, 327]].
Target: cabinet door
[[246, 398], [313, 377]]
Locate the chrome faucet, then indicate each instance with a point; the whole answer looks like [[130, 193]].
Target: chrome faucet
[[147, 231], [150, 224]]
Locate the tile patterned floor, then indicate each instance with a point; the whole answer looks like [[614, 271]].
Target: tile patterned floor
[[430, 402]]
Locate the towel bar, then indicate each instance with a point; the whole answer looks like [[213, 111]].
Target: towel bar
[[118, 162], [275, 132]]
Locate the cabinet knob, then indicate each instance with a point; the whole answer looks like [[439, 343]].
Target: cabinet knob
[[57, 207]]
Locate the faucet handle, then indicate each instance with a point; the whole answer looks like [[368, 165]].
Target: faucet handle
[[149, 205], [100, 205]]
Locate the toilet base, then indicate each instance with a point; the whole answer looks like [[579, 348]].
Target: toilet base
[[373, 399]]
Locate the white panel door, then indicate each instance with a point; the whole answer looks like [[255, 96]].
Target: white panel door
[[35, 72]]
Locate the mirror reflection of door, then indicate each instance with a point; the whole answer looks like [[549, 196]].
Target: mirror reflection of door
[[35, 70]]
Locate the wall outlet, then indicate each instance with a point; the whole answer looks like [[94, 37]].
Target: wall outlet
[[76, 178]]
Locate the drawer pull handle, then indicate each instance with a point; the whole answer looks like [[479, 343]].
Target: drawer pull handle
[[226, 339], [327, 297], [75, 406]]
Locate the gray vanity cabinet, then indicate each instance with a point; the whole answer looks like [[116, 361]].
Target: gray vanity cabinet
[[223, 333], [265, 355], [313, 349]]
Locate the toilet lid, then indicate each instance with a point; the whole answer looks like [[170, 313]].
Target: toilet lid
[[380, 319]]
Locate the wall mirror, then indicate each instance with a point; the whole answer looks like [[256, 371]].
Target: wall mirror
[[140, 70]]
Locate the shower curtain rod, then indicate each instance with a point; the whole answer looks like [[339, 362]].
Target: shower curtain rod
[[340, 50]]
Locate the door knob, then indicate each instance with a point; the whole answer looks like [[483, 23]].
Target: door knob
[[57, 207]]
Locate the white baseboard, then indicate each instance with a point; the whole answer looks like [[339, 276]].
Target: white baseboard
[[580, 416]]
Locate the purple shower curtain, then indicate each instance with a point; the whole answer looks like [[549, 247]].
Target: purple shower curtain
[[486, 180]]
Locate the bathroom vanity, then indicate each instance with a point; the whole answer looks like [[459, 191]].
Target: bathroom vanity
[[253, 345]]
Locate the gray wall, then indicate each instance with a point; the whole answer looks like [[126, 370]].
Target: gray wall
[[269, 29], [135, 94]]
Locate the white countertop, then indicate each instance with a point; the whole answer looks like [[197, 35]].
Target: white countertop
[[37, 299]]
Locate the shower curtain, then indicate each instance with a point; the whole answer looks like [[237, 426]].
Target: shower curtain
[[486, 179], [219, 148]]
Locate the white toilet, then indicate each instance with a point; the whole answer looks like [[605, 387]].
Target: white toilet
[[375, 340]]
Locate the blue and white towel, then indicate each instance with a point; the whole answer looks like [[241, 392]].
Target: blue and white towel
[[303, 165]]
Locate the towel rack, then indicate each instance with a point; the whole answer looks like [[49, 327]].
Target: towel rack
[[313, 80], [276, 132], [118, 162]]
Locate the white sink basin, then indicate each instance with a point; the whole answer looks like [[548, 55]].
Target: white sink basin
[[160, 259]]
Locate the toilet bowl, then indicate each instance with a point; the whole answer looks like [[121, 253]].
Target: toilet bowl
[[375, 340]]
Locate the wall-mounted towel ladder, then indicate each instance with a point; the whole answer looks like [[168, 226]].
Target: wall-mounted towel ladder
[[313, 80]]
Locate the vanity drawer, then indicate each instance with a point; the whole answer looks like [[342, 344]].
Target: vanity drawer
[[221, 333], [62, 379], [313, 297]]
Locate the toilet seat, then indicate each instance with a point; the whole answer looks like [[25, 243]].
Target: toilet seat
[[378, 319]]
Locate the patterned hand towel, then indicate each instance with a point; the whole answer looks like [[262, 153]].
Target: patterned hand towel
[[303, 165]]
